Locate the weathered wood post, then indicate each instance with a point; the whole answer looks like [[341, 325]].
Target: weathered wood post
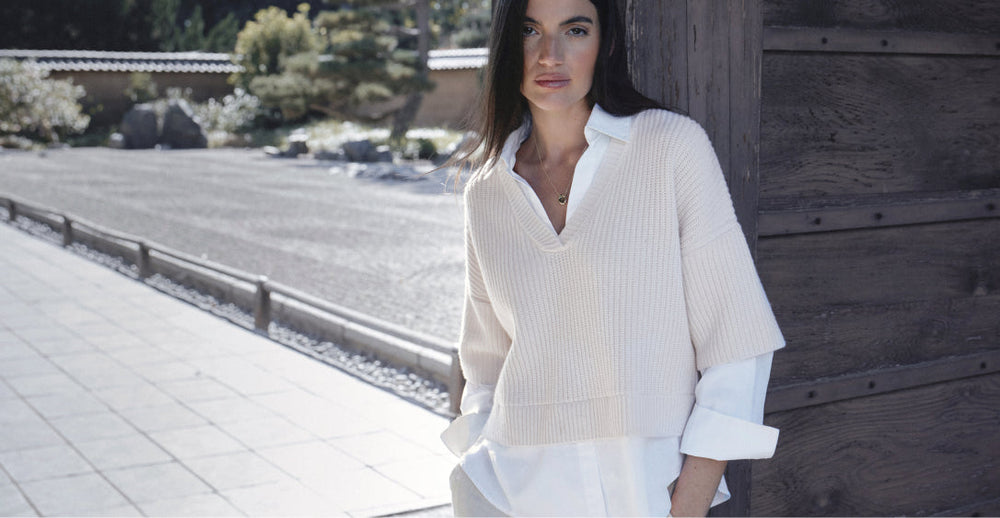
[[145, 269], [67, 231], [704, 59], [262, 306]]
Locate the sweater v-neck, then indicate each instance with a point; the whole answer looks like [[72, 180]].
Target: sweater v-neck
[[543, 232]]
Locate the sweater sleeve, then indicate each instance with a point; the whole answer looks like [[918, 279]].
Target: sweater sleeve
[[482, 350], [729, 316]]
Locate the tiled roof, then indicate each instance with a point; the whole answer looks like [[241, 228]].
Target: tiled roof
[[456, 59], [102, 61], [200, 62]]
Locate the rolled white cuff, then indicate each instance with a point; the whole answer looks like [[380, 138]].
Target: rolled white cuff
[[463, 432], [717, 436]]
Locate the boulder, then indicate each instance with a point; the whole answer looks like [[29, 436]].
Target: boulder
[[116, 141], [139, 127], [360, 151], [297, 145], [180, 130]]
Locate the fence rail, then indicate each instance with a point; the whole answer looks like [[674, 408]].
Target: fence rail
[[269, 301]]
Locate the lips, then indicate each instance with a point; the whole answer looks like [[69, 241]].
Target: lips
[[552, 81]]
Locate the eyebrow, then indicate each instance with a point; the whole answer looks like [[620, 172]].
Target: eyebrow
[[575, 19]]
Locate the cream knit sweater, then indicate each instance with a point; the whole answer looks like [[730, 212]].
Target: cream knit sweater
[[597, 332]]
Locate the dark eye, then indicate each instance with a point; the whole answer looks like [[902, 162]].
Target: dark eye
[[527, 30], [578, 31]]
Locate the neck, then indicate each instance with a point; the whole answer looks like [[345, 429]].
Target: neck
[[560, 134]]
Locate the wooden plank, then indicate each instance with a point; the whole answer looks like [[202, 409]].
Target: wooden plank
[[866, 384], [989, 507], [953, 16], [834, 124], [891, 265], [823, 39], [657, 37], [912, 452], [832, 341], [745, 58], [805, 215]]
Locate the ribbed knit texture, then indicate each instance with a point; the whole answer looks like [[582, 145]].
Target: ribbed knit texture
[[597, 332]]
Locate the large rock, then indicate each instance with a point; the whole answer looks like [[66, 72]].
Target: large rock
[[360, 151], [180, 130], [139, 127]]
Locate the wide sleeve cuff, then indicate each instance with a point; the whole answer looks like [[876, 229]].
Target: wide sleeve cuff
[[717, 436], [463, 432]]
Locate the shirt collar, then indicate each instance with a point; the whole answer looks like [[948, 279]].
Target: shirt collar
[[599, 121]]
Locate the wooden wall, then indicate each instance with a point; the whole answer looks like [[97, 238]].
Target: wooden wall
[[861, 142], [879, 246]]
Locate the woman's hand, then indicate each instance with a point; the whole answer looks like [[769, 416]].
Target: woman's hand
[[696, 486]]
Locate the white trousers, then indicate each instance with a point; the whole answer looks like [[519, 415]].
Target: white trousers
[[466, 499]]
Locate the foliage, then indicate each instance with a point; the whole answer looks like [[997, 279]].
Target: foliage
[[348, 62], [141, 87], [272, 36], [127, 24], [465, 23], [235, 113], [34, 106]]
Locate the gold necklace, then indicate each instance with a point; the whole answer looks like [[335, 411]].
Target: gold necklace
[[563, 196]]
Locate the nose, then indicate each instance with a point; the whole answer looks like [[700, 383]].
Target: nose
[[551, 51]]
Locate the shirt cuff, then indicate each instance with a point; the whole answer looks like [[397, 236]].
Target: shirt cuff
[[717, 436], [463, 432]]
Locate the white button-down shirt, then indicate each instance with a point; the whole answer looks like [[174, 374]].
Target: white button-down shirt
[[621, 476]]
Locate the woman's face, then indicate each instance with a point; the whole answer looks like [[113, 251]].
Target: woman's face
[[561, 43]]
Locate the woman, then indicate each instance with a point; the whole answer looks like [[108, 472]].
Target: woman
[[605, 271]]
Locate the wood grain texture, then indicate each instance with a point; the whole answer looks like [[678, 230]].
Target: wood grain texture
[[826, 390], [658, 55], [914, 452], [792, 215], [823, 39], [978, 16], [836, 341], [854, 124], [882, 266]]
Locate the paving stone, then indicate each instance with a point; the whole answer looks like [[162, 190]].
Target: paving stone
[[356, 490], [123, 452], [283, 499], [230, 410], [164, 371], [199, 441], [156, 482], [40, 463], [310, 461], [233, 470], [163, 417], [43, 384], [13, 503], [426, 476], [6, 392], [262, 433], [67, 404], [73, 495], [15, 410], [11, 347], [377, 448], [143, 355], [27, 365], [132, 396], [194, 505], [91, 427], [198, 389], [32, 433], [122, 510]]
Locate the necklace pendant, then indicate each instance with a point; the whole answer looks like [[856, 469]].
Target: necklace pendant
[[562, 199]]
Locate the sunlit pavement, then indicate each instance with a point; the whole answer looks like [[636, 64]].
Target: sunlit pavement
[[116, 399]]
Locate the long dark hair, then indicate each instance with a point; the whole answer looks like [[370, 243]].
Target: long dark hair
[[502, 107]]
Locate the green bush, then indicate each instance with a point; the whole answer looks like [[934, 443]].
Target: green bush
[[272, 36], [34, 106], [235, 113]]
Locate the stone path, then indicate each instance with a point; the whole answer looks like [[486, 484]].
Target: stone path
[[118, 400]]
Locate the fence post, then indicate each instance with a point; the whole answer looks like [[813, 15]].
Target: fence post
[[143, 260], [262, 307], [11, 211], [67, 231], [456, 383]]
